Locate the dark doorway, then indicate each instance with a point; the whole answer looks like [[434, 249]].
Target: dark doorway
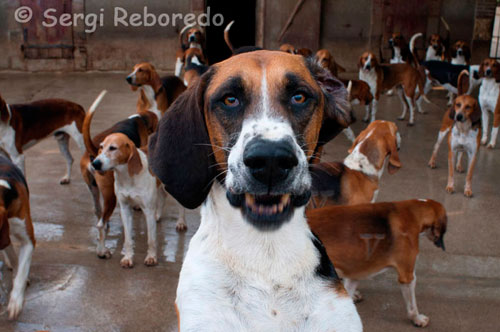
[[242, 32]]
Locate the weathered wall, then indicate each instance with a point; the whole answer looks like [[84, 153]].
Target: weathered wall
[[345, 30]]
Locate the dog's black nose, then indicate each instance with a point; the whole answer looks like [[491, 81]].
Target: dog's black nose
[[460, 117], [192, 38], [488, 71], [367, 67], [97, 164], [129, 79], [459, 52], [269, 162]]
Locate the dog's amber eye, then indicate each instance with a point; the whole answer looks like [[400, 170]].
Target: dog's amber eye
[[298, 99], [231, 101]]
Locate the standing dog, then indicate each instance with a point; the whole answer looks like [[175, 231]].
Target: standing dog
[[364, 240], [15, 222], [156, 94], [134, 186], [383, 77], [193, 42], [464, 137], [24, 125], [400, 52], [489, 99], [356, 180], [240, 141]]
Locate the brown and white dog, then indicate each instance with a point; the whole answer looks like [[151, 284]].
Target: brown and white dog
[[400, 51], [435, 48], [465, 136], [382, 77], [364, 240], [24, 125], [489, 99], [240, 141], [134, 186], [192, 42], [356, 180], [288, 48], [156, 93], [137, 128], [460, 53], [326, 59], [15, 223]]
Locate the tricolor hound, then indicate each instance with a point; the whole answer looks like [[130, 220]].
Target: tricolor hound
[[15, 223], [364, 240], [382, 77], [240, 141], [24, 125], [356, 180], [192, 41]]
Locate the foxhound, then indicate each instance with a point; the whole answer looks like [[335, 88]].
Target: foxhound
[[381, 78], [364, 240], [134, 186], [137, 128], [15, 223], [326, 59], [489, 99], [400, 51], [24, 125], [156, 93], [460, 53], [191, 39], [356, 180], [240, 141]]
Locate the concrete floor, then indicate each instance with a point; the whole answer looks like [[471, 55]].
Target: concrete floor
[[72, 290]]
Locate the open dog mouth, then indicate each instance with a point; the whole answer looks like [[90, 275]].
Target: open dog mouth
[[267, 212]]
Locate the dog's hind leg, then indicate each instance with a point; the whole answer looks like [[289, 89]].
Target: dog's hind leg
[[63, 142], [401, 96], [10, 257], [407, 283], [180, 225], [16, 299], [106, 187]]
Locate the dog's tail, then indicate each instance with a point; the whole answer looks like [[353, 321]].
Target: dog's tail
[[181, 35], [412, 48], [226, 36], [446, 41], [89, 144]]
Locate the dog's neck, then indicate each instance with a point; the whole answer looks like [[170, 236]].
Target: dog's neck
[[274, 255], [195, 45], [397, 57], [464, 127], [458, 60], [431, 54], [150, 94], [358, 161], [122, 176], [489, 83]]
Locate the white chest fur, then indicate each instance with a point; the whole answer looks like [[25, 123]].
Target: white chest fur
[[463, 139], [488, 94], [431, 54], [153, 105], [370, 77], [397, 58], [236, 278]]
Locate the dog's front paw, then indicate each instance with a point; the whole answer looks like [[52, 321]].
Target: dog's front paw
[[450, 189], [432, 163], [104, 253], [64, 180], [411, 124], [468, 192], [491, 146], [127, 263], [459, 169], [150, 261], [357, 297], [484, 140], [181, 226], [401, 118], [15, 305], [420, 320]]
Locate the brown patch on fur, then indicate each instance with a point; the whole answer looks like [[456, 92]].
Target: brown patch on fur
[[288, 48]]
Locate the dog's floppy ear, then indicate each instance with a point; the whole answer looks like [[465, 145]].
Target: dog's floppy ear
[[475, 116], [463, 82], [394, 163], [451, 111], [337, 112], [134, 162], [180, 154]]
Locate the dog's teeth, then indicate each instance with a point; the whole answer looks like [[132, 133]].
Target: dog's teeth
[[285, 199], [274, 209], [250, 200], [281, 206], [261, 209]]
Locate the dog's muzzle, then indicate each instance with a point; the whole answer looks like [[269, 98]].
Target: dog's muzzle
[[460, 52], [460, 117], [97, 164], [271, 168], [192, 39]]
